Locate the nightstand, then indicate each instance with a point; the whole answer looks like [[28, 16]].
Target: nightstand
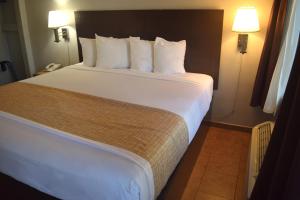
[[40, 72], [45, 70]]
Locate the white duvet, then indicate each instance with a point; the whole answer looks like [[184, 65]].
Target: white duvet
[[71, 167]]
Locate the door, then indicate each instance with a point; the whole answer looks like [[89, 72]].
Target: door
[[10, 44]]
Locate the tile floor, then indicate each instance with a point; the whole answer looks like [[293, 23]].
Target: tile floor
[[220, 169]]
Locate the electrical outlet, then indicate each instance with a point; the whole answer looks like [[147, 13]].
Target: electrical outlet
[[3, 67]]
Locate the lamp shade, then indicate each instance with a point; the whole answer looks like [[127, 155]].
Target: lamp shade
[[57, 19], [246, 20]]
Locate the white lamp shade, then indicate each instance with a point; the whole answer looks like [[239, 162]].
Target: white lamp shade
[[57, 19], [246, 20]]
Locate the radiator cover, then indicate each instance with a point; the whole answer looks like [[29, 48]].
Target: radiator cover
[[261, 135]]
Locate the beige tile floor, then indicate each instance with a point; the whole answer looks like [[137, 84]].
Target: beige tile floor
[[220, 169]]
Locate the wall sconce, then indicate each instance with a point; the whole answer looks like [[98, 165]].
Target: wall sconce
[[57, 19], [246, 21]]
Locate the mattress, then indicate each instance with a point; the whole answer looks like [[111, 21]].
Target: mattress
[[70, 167]]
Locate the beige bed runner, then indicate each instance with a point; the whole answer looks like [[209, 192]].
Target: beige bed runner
[[158, 136]]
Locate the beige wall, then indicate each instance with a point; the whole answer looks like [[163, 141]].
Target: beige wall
[[46, 51]]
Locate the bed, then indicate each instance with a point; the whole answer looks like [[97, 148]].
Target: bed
[[43, 151]]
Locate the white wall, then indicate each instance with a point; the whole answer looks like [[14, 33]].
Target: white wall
[[46, 51]]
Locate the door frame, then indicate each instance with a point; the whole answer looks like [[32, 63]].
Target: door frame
[[24, 35]]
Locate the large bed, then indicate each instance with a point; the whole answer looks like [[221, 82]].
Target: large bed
[[39, 147]]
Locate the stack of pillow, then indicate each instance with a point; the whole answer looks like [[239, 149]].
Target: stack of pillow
[[160, 56]]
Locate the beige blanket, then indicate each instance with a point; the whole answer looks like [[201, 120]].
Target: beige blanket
[[158, 136]]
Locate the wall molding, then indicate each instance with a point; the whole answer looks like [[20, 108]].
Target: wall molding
[[229, 126]]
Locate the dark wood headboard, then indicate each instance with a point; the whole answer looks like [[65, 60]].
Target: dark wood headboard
[[202, 29]]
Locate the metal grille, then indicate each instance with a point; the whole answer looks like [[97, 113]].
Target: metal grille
[[263, 139]]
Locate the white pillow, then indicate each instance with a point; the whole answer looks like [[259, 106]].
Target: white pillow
[[169, 56], [141, 54], [88, 47], [112, 52]]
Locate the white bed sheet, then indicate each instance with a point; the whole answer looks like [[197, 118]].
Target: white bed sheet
[[39, 156]]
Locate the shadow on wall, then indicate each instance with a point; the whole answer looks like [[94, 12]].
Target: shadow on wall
[[231, 102]]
